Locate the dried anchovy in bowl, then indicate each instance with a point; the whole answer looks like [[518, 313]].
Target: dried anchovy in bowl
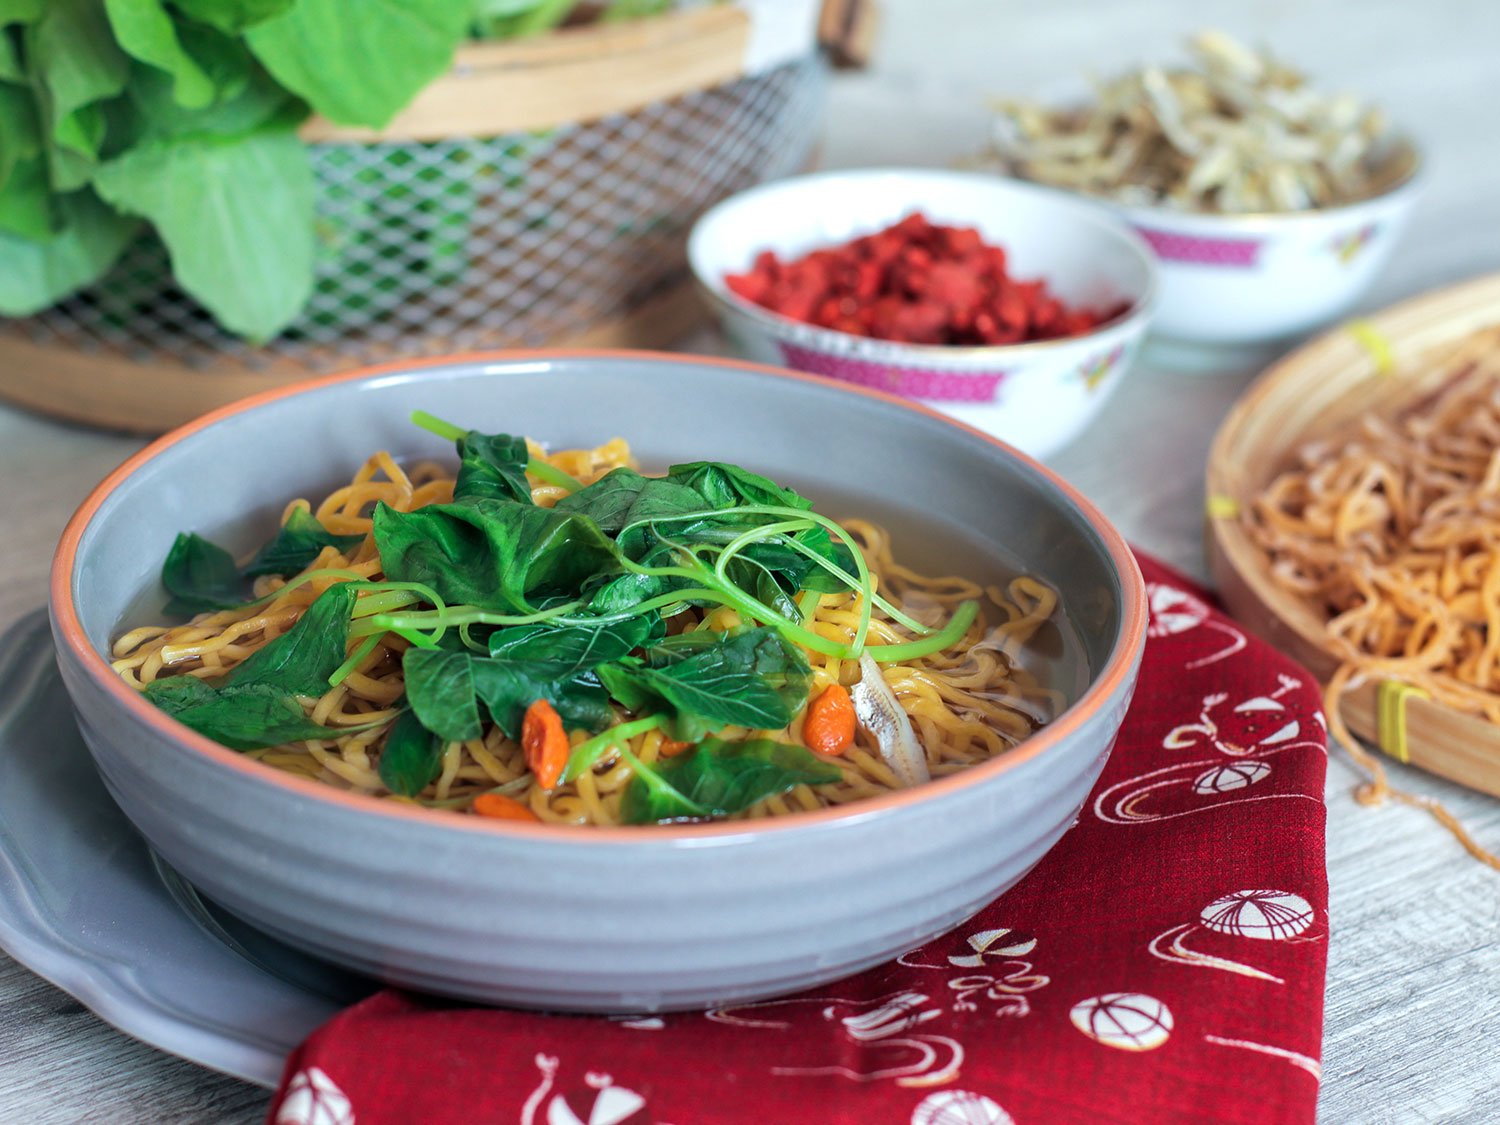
[[1240, 132]]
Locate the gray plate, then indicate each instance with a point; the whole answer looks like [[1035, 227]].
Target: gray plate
[[84, 903]]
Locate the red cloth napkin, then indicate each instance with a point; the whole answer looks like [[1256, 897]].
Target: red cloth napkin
[[1165, 962]]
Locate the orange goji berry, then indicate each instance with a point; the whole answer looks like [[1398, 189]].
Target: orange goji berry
[[500, 807], [828, 726], [545, 743]]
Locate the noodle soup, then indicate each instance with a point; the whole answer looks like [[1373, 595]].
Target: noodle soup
[[556, 637]]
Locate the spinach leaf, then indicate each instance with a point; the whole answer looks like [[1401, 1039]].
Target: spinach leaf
[[440, 688], [447, 688], [492, 466], [243, 717], [35, 273], [623, 497], [752, 679], [360, 71], [508, 687], [411, 757], [580, 648], [144, 29], [201, 576], [623, 593], [815, 577], [498, 555], [729, 486], [212, 201], [301, 659], [719, 779], [300, 541]]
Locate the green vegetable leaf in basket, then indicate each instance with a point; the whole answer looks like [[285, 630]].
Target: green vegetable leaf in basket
[[21, 11], [360, 71], [75, 64], [35, 273], [146, 32], [518, 19], [22, 173], [236, 217], [26, 200], [258, 101], [232, 16]]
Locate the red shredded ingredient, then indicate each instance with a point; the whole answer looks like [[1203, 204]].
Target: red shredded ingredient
[[918, 283]]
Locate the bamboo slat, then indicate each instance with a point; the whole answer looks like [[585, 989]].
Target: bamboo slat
[[114, 393], [573, 75]]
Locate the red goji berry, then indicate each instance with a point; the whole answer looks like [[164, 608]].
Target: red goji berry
[[917, 282]]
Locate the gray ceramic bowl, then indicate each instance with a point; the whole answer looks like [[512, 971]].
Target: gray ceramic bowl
[[589, 919]]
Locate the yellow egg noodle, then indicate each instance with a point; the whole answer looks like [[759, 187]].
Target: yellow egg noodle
[[966, 703], [1391, 531]]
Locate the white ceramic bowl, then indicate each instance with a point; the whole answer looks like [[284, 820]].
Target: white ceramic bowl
[[1036, 396], [1258, 279], [579, 918]]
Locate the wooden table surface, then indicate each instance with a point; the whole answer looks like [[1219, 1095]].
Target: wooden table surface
[[1414, 974]]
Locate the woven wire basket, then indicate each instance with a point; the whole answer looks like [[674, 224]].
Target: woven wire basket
[[446, 245]]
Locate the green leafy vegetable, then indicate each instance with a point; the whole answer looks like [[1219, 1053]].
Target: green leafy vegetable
[[248, 99], [256, 704], [580, 648], [440, 688], [34, 273], [494, 554], [360, 71], [232, 16], [705, 682], [729, 486], [518, 19], [25, 200], [209, 199], [75, 63], [411, 756], [446, 689], [301, 659], [202, 577], [145, 31], [182, 113], [508, 687], [719, 779], [624, 499], [299, 541], [242, 718], [492, 467]]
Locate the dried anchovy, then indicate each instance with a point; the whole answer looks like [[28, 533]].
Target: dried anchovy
[[1239, 132]]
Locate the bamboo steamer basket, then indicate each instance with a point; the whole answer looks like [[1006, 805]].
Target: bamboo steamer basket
[[539, 193], [1395, 355]]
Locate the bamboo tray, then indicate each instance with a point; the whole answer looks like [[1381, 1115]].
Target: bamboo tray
[[1317, 389]]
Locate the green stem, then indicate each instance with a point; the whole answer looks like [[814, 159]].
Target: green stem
[[536, 467], [435, 425], [726, 593], [551, 474], [949, 634], [589, 751], [451, 616], [362, 650]]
